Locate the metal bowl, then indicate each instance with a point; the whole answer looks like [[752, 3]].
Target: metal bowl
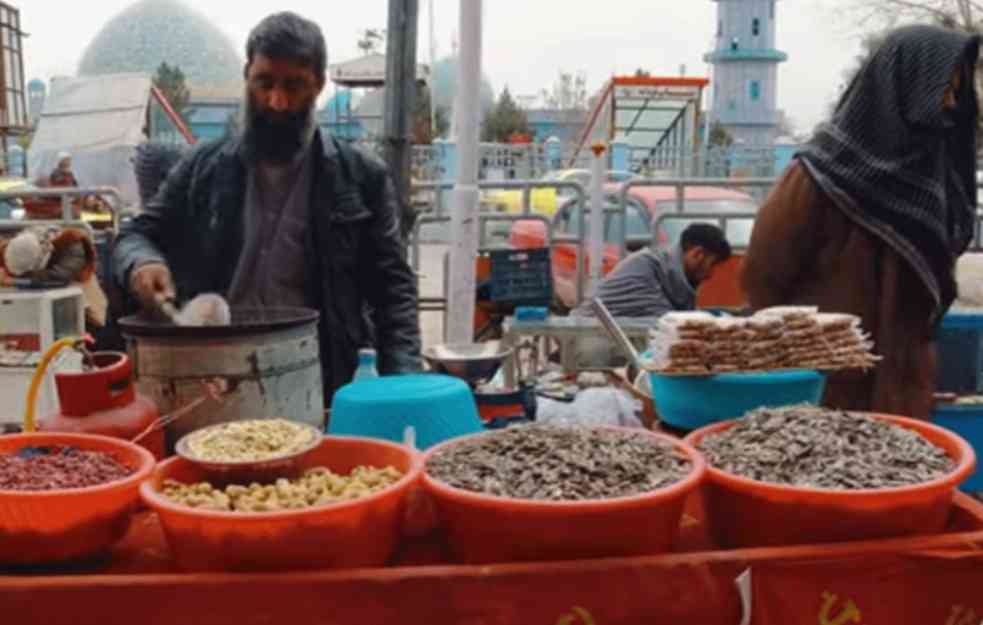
[[472, 362], [246, 471]]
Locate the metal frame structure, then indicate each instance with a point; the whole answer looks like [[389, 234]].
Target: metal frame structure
[[667, 108]]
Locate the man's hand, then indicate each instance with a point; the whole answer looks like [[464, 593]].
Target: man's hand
[[150, 283]]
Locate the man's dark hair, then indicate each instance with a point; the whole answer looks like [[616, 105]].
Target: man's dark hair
[[289, 36], [709, 237]]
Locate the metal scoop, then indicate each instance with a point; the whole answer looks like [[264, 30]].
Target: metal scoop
[[166, 306], [615, 332]]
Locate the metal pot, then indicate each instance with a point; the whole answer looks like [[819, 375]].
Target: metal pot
[[267, 362]]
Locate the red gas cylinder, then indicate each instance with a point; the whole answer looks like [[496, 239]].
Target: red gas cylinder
[[103, 401]]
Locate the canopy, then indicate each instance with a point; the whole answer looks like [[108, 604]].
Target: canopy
[[100, 120]]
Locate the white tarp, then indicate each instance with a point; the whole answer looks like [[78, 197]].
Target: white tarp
[[99, 120]]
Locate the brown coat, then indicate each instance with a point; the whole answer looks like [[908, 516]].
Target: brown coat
[[804, 250]]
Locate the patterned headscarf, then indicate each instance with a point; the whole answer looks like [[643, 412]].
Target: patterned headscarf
[[897, 162]]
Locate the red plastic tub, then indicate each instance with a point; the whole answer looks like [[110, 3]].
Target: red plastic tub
[[747, 513], [485, 528], [358, 533], [40, 527]]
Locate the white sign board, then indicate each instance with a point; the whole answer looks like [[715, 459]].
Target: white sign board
[[656, 92]]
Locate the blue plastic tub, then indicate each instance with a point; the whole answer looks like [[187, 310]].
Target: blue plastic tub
[[960, 345], [966, 421], [690, 403], [439, 407]]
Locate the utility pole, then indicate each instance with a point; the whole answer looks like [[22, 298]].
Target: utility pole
[[401, 103], [465, 195]]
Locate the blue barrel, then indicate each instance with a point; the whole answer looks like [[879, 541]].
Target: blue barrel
[[439, 407], [966, 421], [961, 353]]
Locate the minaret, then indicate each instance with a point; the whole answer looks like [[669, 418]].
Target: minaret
[[745, 70]]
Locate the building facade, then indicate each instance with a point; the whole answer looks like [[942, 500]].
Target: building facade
[[745, 70]]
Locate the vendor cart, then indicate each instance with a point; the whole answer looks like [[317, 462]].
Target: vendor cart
[[854, 583]]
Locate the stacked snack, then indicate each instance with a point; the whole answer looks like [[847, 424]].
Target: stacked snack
[[802, 342], [849, 346], [728, 339], [680, 343], [765, 349], [775, 338]]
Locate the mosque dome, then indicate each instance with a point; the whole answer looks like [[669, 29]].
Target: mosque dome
[[444, 85], [151, 32]]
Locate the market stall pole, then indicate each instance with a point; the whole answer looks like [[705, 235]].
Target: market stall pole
[[401, 96], [595, 251], [465, 195]]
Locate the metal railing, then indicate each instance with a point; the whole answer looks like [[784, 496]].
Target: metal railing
[[757, 187], [440, 215], [579, 241], [723, 220], [743, 184], [67, 194]]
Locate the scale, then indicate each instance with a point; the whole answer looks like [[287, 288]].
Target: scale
[[477, 364]]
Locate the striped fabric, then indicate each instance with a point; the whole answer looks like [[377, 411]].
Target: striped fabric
[[899, 164]]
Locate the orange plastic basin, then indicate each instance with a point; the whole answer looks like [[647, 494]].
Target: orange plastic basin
[[38, 527], [358, 533], [485, 528], [747, 513]]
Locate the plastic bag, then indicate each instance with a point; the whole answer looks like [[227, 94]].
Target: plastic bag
[[593, 406]]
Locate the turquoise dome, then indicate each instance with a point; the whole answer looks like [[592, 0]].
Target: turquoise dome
[[152, 32]]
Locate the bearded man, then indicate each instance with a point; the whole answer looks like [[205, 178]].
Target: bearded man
[[280, 215]]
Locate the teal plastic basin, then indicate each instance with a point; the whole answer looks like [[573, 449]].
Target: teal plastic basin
[[689, 403], [438, 407]]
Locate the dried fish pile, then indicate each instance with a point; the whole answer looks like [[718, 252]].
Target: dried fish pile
[[818, 448], [559, 464], [778, 338]]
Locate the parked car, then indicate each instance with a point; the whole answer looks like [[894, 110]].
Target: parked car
[[644, 206], [544, 201]]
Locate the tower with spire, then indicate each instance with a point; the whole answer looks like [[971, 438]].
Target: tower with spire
[[745, 70]]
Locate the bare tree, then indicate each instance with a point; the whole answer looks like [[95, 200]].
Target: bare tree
[[372, 40], [569, 92], [964, 15]]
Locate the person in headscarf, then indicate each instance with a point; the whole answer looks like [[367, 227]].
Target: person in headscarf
[[62, 175], [873, 212]]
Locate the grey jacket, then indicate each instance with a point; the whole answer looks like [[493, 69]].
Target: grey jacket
[[645, 284], [364, 289]]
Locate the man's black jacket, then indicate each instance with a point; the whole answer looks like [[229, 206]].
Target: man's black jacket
[[364, 289]]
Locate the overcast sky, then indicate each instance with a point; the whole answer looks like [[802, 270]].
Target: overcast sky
[[527, 42]]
